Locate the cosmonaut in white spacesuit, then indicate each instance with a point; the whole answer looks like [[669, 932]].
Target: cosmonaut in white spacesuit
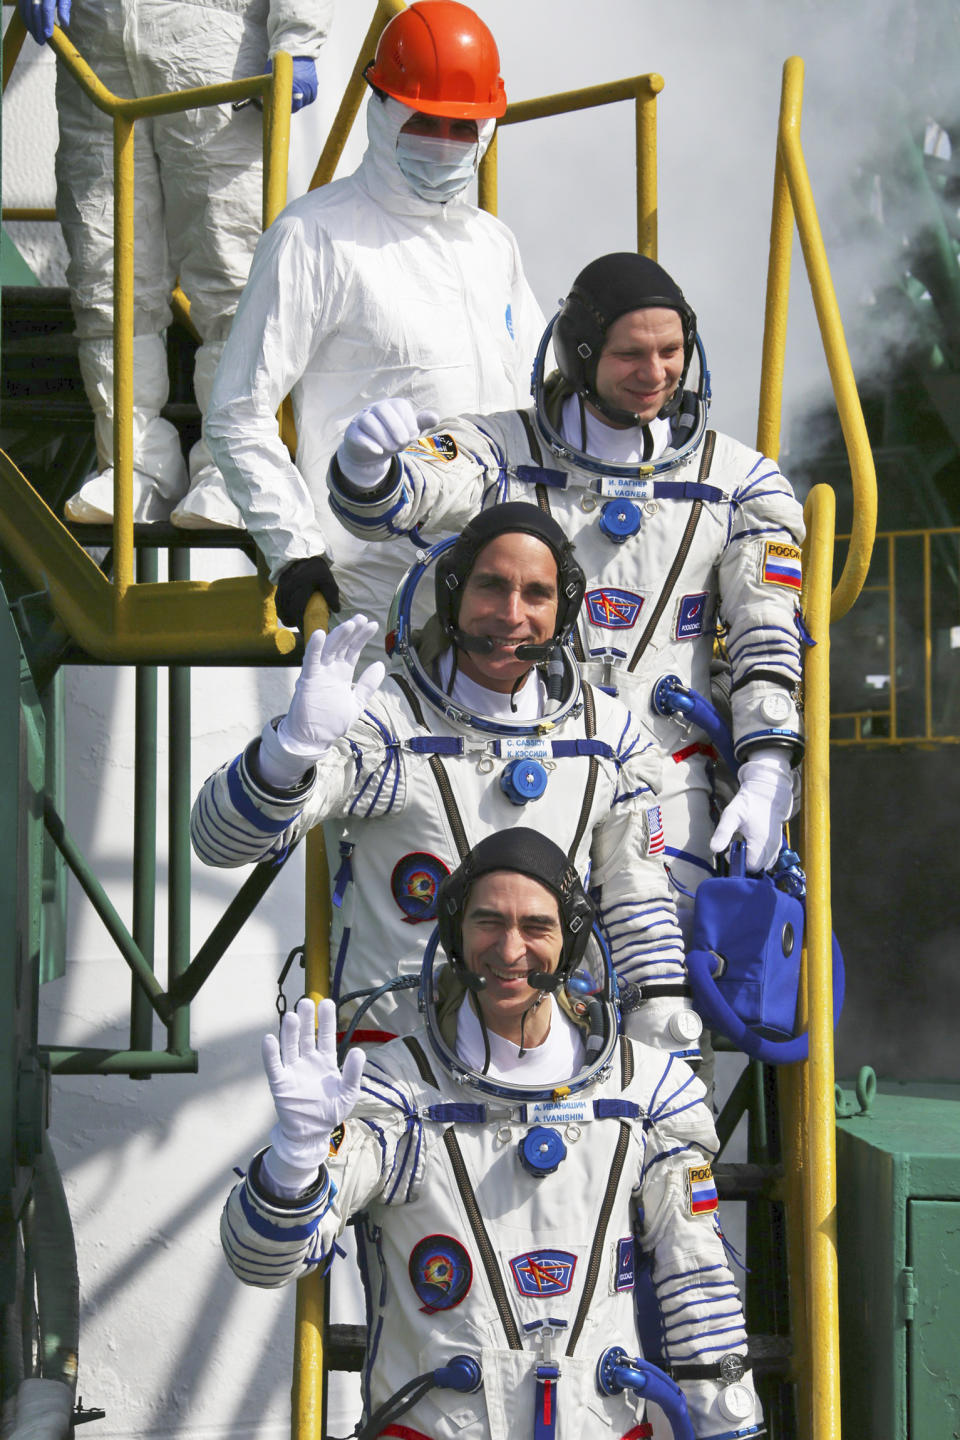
[[387, 282], [506, 1164], [676, 527], [489, 727], [197, 203]]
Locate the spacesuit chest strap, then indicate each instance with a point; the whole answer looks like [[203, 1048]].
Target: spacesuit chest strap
[[683, 550]]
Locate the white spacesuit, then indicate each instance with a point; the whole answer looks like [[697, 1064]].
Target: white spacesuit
[[420, 775], [500, 1199], [361, 289], [694, 528], [198, 202]]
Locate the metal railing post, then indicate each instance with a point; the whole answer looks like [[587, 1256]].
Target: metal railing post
[[821, 1177]]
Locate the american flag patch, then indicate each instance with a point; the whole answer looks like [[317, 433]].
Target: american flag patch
[[782, 565], [655, 827], [701, 1190]]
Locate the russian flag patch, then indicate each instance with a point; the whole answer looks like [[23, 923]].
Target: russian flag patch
[[782, 565], [701, 1190]]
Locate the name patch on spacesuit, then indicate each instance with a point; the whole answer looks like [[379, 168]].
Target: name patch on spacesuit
[[624, 1276], [436, 447], [701, 1190], [613, 609], [626, 487], [440, 1272], [544, 1273], [782, 565], [559, 1112], [414, 883], [524, 747], [692, 616]]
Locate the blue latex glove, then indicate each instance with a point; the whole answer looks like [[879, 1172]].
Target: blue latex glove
[[304, 83], [40, 16]]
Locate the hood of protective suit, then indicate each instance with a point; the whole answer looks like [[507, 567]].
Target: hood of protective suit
[[382, 176]]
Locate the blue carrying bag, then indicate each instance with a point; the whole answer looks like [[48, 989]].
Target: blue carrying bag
[[744, 960]]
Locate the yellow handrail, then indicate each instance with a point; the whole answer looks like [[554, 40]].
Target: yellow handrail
[[643, 90], [307, 1390], [820, 1180], [793, 198]]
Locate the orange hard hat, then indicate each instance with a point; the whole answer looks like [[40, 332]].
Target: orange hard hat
[[438, 57]]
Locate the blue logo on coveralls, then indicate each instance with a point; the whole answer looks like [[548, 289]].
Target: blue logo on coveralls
[[692, 616], [613, 609], [544, 1273]]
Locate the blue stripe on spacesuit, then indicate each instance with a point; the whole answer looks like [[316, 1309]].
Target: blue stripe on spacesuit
[[213, 836], [245, 807], [340, 962], [271, 1230], [687, 1275], [374, 522], [762, 530], [662, 1155], [625, 795], [689, 858]]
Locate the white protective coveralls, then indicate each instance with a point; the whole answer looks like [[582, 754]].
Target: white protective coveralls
[[466, 1252], [417, 788], [357, 291], [198, 204], [718, 536]]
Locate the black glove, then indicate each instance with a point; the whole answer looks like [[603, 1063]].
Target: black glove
[[300, 580]]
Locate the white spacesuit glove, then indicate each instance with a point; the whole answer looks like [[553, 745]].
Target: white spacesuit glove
[[377, 434], [325, 703], [762, 803], [311, 1094]]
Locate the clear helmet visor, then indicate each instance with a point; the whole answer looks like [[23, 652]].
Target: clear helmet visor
[[590, 1000], [688, 424], [412, 610]]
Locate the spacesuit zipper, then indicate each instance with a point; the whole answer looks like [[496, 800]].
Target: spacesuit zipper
[[440, 776], [686, 540], [589, 729], [543, 500], [599, 1239], [485, 1249]]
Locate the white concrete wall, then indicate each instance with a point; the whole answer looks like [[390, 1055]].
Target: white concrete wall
[[171, 1346]]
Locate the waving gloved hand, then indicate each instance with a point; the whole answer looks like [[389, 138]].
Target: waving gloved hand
[[377, 434], [311, 1094], [761, 805], [325, 703], [40, 16]]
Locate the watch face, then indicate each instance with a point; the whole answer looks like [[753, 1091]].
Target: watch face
[[732, 1369]]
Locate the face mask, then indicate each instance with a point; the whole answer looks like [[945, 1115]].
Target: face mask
[[435, 167]]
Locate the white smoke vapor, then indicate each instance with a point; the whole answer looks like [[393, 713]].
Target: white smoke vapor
[[873, 73]]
